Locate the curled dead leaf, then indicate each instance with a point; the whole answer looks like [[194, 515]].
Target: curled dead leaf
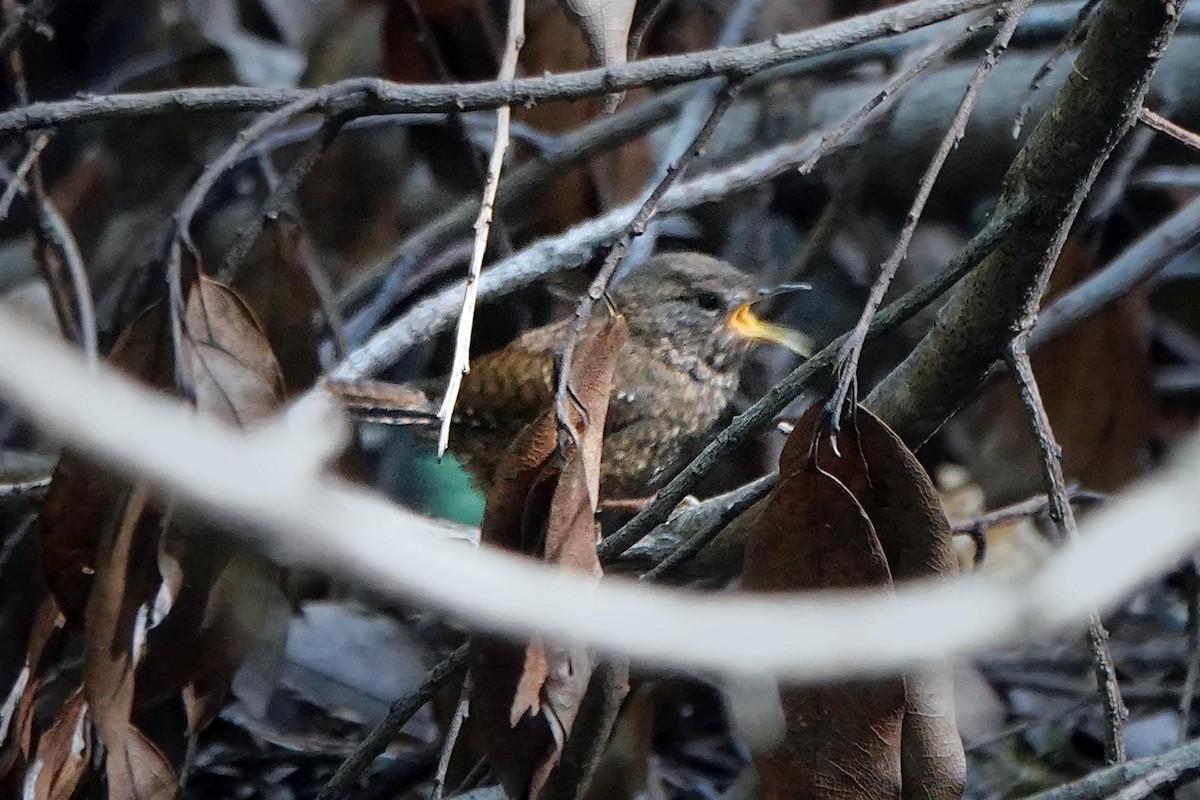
[[842, 739], [63, 752], [525, 698], [114, 555], [907, 522]]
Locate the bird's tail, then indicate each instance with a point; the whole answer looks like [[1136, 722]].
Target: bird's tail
[[382, 402]]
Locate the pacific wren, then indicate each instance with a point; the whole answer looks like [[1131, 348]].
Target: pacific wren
[[689, 332]]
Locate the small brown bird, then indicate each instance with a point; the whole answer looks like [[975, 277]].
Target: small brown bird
[[690, 329]]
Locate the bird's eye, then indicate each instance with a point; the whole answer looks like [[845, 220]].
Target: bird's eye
[[710, 301]]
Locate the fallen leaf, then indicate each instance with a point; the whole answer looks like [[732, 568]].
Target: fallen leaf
[[555, 45], [525, 698], [909, 525], [919, 544], [842, 738], [116, 621], [228, 359], [85, 497], [16, 715], [63, 752], [167, 603], [231, 596], [276, 283]]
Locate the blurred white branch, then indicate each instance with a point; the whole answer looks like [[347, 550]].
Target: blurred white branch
[[273, 484]]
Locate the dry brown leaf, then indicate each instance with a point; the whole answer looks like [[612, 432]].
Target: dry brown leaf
[[115, 625], [525, 698], [16, 715], [161, 617], [842, 739], [277, 285], [231, 593], [916, 537], [228, 358], [555, 45], [84, 497], [63, 752], [906, 515]]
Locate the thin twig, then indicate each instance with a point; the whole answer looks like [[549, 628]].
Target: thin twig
[[428, 42], [16, 182], [456, 723], [1192, 587], [1064, 518], [483, 225], [1038, 24], [1136, 265], [1026, 508], [1068, 41], [402, 710], [692, 117], [599, 284], [1161, 124], [1091, 112], [715, 523], [847, 369], [54, 248], [24, 490], [279, 194], [896, 85], [1104, 783], [181, 240], [1162, 779]]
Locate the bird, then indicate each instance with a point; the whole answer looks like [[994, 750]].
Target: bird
[[690, 328]]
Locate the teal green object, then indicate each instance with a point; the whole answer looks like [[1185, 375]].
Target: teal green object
[[446, 489]]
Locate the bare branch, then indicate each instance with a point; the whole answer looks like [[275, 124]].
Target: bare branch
[[271, 483], [1063, 515], [1051, 175], [483, 226], [375, 96], [847, 369], [401, 711], [1161, 124]]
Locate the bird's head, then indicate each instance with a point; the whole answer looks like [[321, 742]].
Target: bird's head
[[698, 305]]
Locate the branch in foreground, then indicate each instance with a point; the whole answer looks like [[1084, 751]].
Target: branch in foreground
[[383, 97], [271, 483]]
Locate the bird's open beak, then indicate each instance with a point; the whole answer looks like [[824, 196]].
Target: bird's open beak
[[744, 322]]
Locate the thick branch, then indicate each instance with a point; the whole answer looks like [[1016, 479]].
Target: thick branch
[[1049, 179]]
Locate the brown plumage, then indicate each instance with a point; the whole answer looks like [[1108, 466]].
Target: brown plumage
[[675, 380]]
